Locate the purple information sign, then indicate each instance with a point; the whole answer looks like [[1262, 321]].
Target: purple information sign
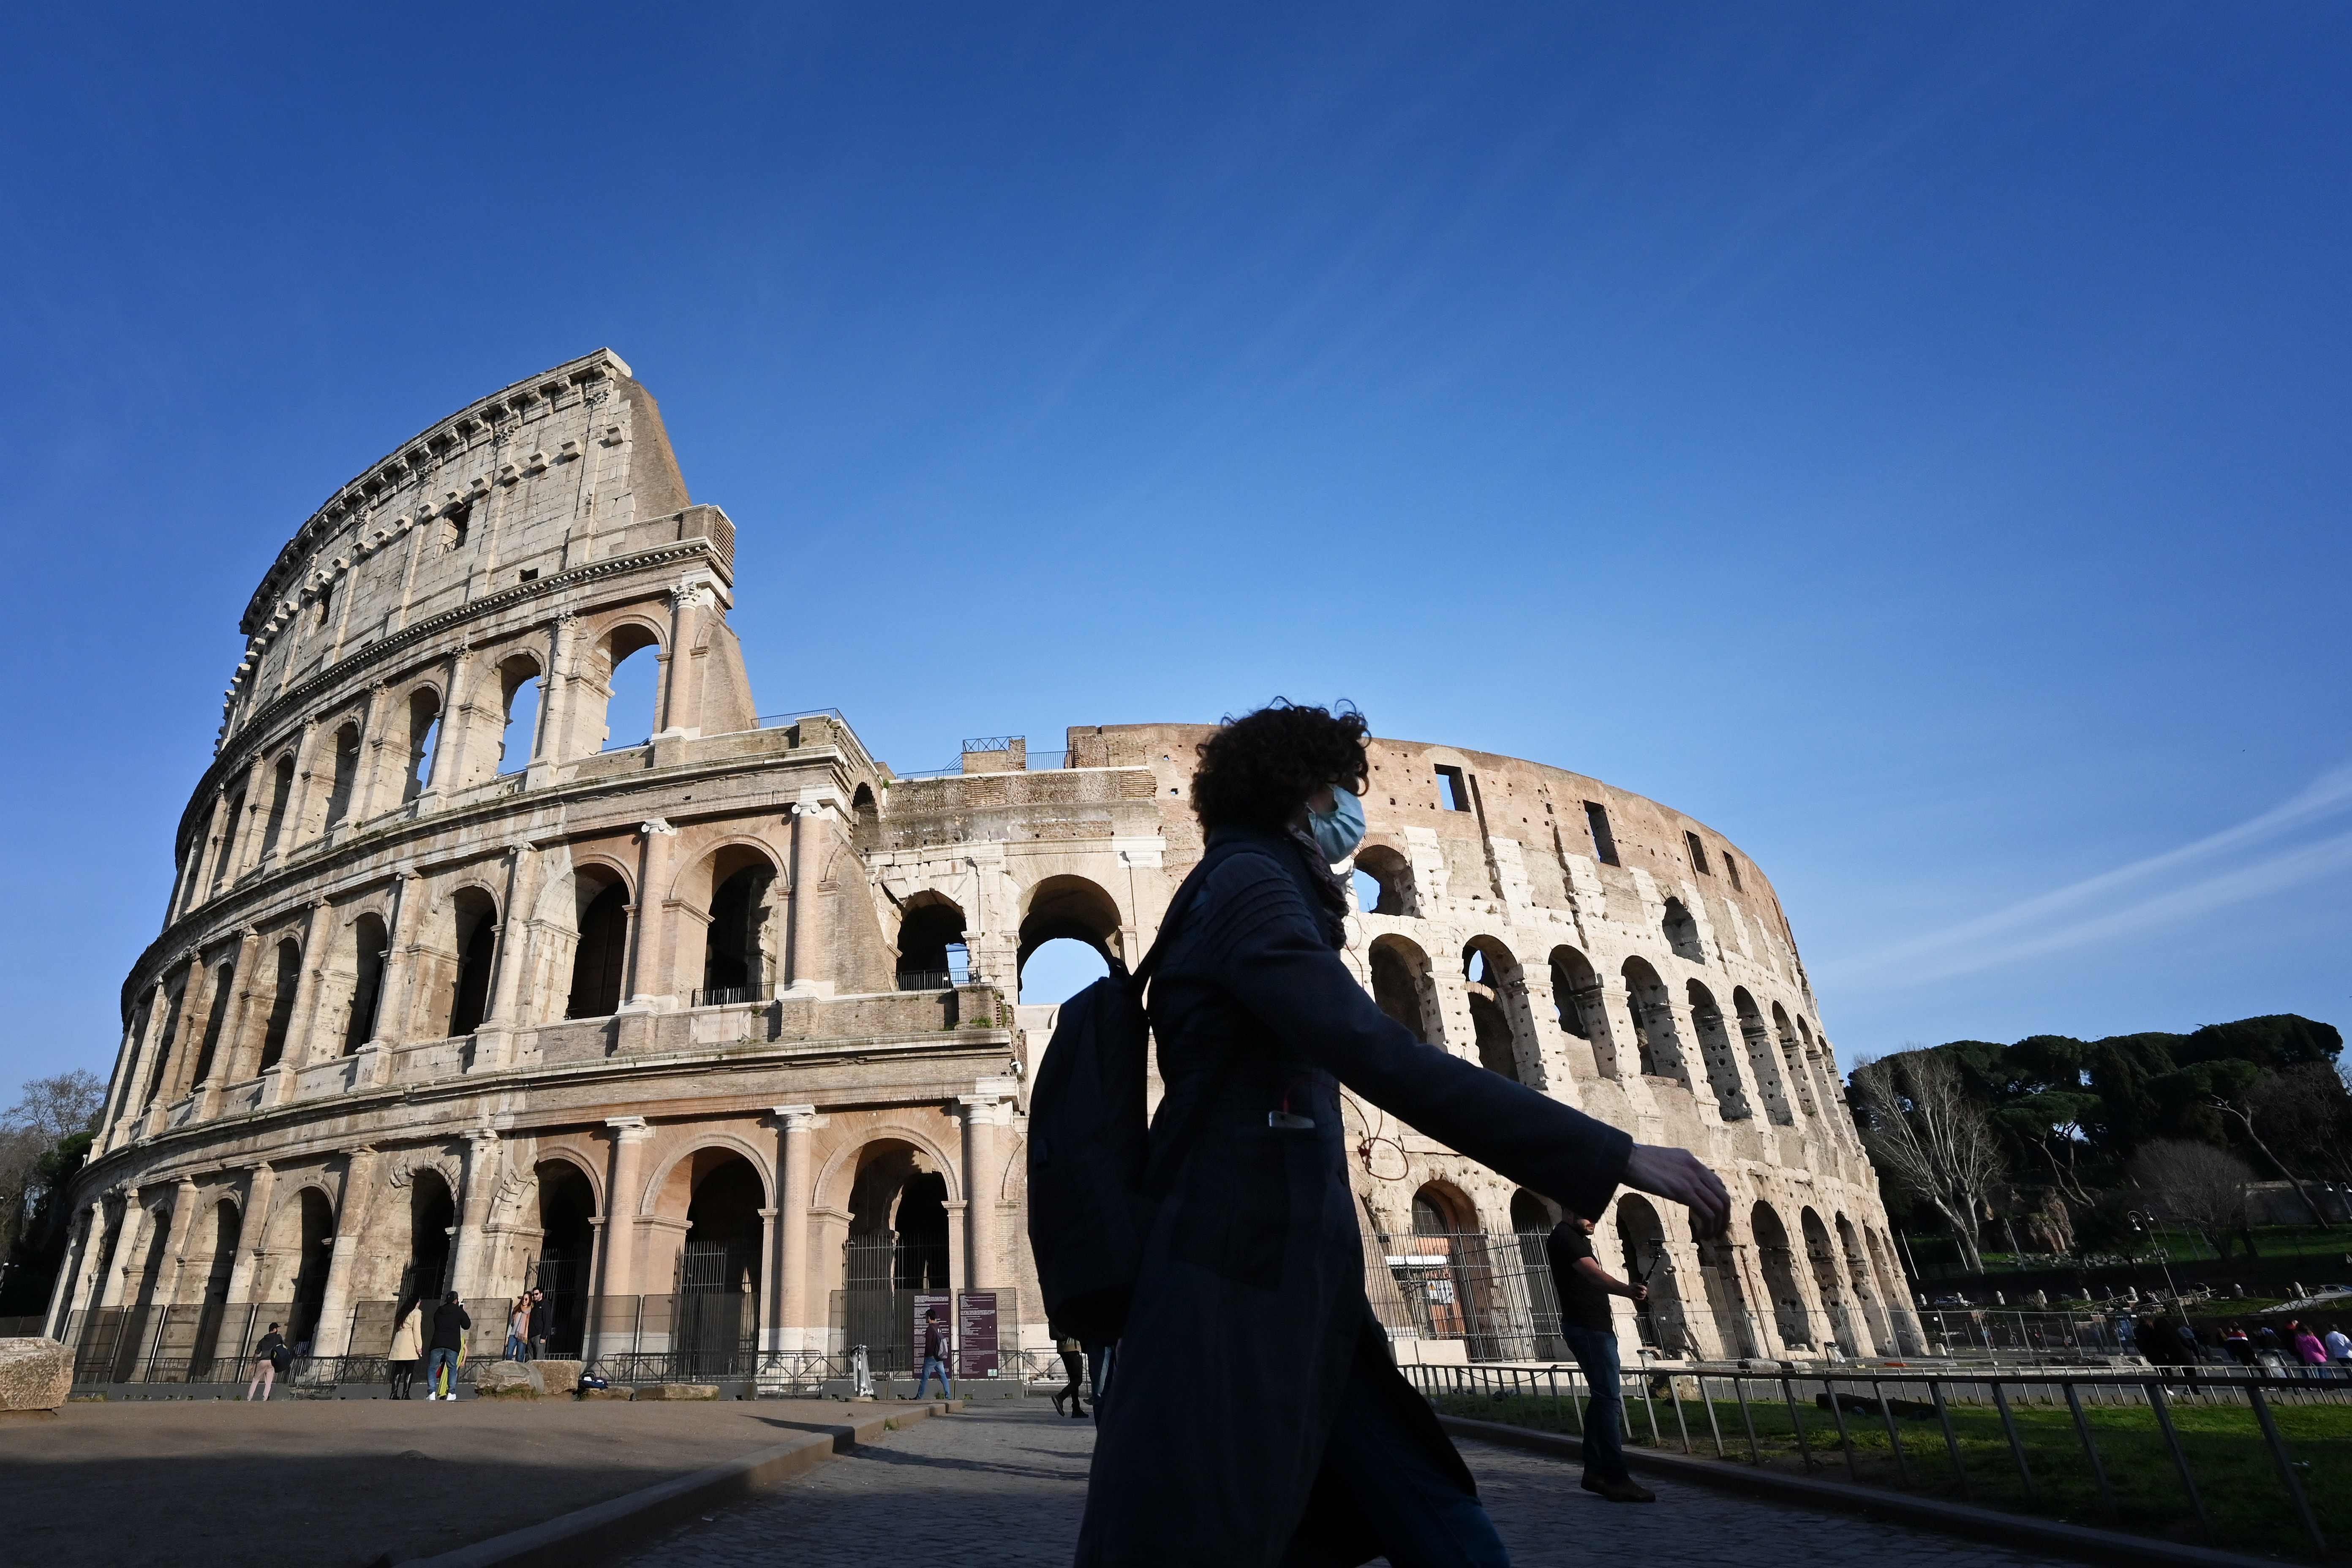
[[976, 1334]]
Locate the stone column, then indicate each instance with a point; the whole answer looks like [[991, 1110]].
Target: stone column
[[196, 1014], [792, 1331], [480, 1184], [75, 1297], [175, 1241], [252, 1232], [451, 747], [237, 1049], [681, 705], [334, 1335], [129, 1250], [624, 1187], [298, 800], [301, 1025], [392, 1012], [555, 702], [814, 840], [987, 1115], [127, 1064], [509, 961], [649, 928]]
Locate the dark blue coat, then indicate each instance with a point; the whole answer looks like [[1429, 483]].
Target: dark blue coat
[[1249, 1315]]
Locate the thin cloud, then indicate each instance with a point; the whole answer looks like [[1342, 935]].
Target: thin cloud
[[2055, 920]]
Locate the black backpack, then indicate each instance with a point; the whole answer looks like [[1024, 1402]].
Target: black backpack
[[1089, 1142]]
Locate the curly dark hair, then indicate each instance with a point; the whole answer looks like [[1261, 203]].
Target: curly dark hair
[[1256, 769]]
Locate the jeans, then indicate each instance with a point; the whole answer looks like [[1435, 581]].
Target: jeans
[[1595, 1350], [1413, 1509], [433, 1363], [516, 1349], [932, 1363]]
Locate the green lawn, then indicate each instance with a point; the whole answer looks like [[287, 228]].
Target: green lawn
[[2232, 1465]]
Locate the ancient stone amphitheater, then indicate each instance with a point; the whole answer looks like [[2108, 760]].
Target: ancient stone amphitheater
[[715, 1035]]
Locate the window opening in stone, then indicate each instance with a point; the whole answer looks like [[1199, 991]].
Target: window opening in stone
[[424, 739], [1643, 1239], [1656, 1047], [1453, 791], [475, 922], [432, 1215], [1697, 854], [1791, 1321], [370, 948], [519, 679], [1731, 869], [326, 604], [1060, 969], [1531, 1214], [1482, 979], [1604, 843], [598, 962], [455, 526], [281, 1002], [734, 966], [1682, 932], [1763, 1060], [347, 773], [1383, 881], [230, 821], [1400, 985], [932, 954], [631, 687], [1714, 1054], [897, 1244], [163, 1043], [529, 575], [567, 1207], [1575, 994], [1073, 909], [281, 790], [224, 982]]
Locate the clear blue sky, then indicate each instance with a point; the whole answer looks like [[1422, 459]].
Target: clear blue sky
[[1911, 440]]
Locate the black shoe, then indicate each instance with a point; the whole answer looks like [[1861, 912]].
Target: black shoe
[[1077, 1411], [1057, 1405]]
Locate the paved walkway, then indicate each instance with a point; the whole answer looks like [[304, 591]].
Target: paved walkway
[[1006, 1486]]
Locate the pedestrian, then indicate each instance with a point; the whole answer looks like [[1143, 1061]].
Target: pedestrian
[[271, 1355], [1073, 1362], [2240, 1348], [2266, 1339], [2340, 1350], [407, 1350], [519, 1329], [1260, 1416], [538, 1324], [2308, 1350], [447, 1353], [1585, 1288], [935, 1350]]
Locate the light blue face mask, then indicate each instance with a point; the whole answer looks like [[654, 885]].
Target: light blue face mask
[[1339, 830]]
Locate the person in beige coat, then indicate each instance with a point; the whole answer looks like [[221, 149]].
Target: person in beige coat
[[407, 1350]]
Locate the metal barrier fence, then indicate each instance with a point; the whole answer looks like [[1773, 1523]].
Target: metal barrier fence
[[1838, 1396], [1495, 1292], [1996, 1331]]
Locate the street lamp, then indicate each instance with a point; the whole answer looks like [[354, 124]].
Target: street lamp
[[2144, 1222]]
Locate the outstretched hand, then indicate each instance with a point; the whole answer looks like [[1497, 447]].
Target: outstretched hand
[[1676, 1175]]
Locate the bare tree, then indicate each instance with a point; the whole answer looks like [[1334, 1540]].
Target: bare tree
[[2195, 1185], [50, 1111], [2299, 1112], [1924, 1130]]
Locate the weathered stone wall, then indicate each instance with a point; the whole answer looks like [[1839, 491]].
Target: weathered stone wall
[[436, 1010]]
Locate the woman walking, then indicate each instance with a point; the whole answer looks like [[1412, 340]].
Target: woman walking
[[407, 1350], [1074, 1362], [1260, 1419]]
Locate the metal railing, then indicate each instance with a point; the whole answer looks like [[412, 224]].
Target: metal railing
[[733, 996], [1915, 1396]]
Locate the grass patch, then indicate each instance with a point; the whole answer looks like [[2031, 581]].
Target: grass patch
[[2232, 1465]]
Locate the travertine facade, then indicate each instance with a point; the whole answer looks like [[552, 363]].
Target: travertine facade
[[720, 1010]]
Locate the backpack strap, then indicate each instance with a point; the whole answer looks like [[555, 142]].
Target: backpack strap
[[1187, 893]]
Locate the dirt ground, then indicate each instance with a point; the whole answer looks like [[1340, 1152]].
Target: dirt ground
[[339, 1483]]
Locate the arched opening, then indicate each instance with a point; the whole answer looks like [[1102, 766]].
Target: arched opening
[[1401, 987], [347, 773], [631, 686], [281, 1002], [719, 1266], [370, 947], [474, 916], [567, 1208], [281, 792], [1447, 1277], [931, 951], [140, 1317], [1060, 969], [865, 819], [1714, 1052], [1383, 881], [231, 820], [1789, 1318], [1644, 1237], [1763, 1061], [1826, 1283], [519, 687], [424, 740], [1576, 999], [1532, 1213], [215, 1017], [1655, 1044], [1792, 1057], [1488, 972], [1072, 909], [1682, 933], [432, 1221], [897, 1245], [222, 1229], [164, 1040], [1735, 1329], [737, 950], [599, 960], [309, 1292], [1901, 1328]]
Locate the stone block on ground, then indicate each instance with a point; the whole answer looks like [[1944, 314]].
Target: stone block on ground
[[619, 1391], [34, 1375], [679, 1391], [508, 1380], [559, 1376]]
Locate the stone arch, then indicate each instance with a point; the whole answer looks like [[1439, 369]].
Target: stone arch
[[1495, 990], [568, 1203], [896, 1187], [459, 952], [518, 741], [1866, 1287], [1531, 1211], [718, 1263], [1664, 1326], [1075, 908], [360, 966], [275, 829], [344, 780], [1389, 874], [619, 639], [865, 819], [301, 1236], [424, 706], [600, 906], [1763, 1060], [931, 942], [1441, 1208], [1714, 1054], [1736, 1328], [1893, 1290], [1681, 931], [669, 1192], [1403, 987], [1577, 997], [734, 888], [1777, 1260], [1657, 1046], [214, 1240], [1844, 1329], [1793, 1058], [285, 982], [432, 1219]]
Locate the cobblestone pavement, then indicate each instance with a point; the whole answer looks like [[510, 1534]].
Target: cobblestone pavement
[[1005, 1487]]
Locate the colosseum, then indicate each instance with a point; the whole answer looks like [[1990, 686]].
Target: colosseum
[[716, 1035]]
